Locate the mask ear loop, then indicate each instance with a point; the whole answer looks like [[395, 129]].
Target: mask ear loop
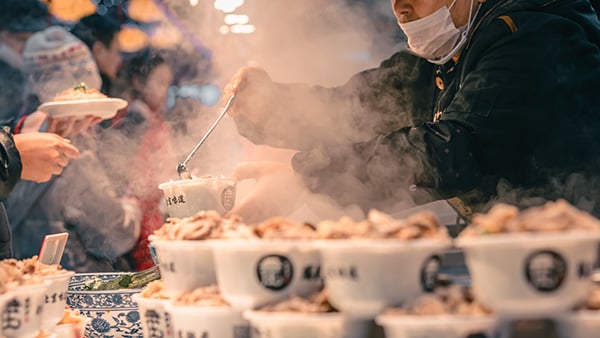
[[463, 36]]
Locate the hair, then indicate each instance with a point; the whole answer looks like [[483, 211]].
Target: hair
[[21, 10], [97, 27], [143, 63]]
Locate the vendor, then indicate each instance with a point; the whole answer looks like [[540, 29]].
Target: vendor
[[491, 100]]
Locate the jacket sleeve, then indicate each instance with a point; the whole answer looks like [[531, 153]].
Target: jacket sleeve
[[10, 163], [107, 225], [372, 102]]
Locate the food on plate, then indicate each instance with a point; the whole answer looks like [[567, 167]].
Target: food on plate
[[79, 92], [204, 225], [205, 296], [314, 303], [15, 272], [380, 225], [551, 217], [445, 300]]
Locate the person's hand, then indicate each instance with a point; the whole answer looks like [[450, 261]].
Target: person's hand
[[70, 126], [276, 192], [258, 169], [43, 155], [252, 87], [65, 127]]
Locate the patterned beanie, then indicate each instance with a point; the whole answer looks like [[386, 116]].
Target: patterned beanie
[[56, 60]]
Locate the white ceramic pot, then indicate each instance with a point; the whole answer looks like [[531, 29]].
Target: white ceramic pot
[[197, 321], [435, 326]]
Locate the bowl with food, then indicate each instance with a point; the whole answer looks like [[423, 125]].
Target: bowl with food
[[107, 299], [72, 324], [280, 261], [152, 301], [304, 317], [448, 312], [186, 197], [378, 262], [24, 298], [183, 250], [204, 313], [532, 262], [55, 296]]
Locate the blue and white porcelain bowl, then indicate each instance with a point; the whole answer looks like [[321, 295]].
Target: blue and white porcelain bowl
[[114, 313]]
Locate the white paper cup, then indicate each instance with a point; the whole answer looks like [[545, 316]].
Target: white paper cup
[[252, 273], [365, 276], [449, 326], [55, 298], [198, 321], [305, 325], [184, 265], [23, 312], [531, 274], [187, 197], [156, 321]]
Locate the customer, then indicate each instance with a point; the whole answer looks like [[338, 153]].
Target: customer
[[139, 154], [492, 100], [19, 19], [82, 201], [100, 34]]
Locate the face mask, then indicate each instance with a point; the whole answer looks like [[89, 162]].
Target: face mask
[[435, 37]]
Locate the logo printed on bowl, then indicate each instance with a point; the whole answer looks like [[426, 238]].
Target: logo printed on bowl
[[545, 270], [342, 272], [274, 272], [228, 198], [429, 273]]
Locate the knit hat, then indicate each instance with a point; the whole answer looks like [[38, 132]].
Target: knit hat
[[23, 16], [56, 60]]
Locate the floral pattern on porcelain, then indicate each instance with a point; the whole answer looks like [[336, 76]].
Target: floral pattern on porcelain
[[114, 313]]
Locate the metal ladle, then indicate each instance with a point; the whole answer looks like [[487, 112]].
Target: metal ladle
[[182, 169]]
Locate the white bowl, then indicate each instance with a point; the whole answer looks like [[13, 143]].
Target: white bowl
[[252, 273], [203, 321], [579, 324], [525, 274], [185, 198], [74, 330], [23, 312], [156, 321], [184, 265], [55, 298], [449, 326], [365, 276], [305, 325]]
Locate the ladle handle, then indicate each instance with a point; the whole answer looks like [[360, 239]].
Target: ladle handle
[[210, 130]]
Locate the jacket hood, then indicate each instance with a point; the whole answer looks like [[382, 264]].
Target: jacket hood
[[580, 11]]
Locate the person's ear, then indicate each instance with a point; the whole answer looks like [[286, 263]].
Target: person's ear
[[98, 48], [137, 83]]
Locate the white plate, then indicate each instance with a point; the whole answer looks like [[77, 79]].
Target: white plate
[[103, 108]]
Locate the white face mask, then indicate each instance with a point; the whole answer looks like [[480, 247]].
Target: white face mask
[[435, 37]]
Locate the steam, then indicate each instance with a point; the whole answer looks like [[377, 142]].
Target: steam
[[313, 42]]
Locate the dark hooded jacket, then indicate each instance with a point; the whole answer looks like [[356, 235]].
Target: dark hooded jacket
[[513, 117], [10, 173]]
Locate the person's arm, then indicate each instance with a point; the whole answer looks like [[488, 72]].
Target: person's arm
[[523, 106], [10, 163], [300, 116]]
